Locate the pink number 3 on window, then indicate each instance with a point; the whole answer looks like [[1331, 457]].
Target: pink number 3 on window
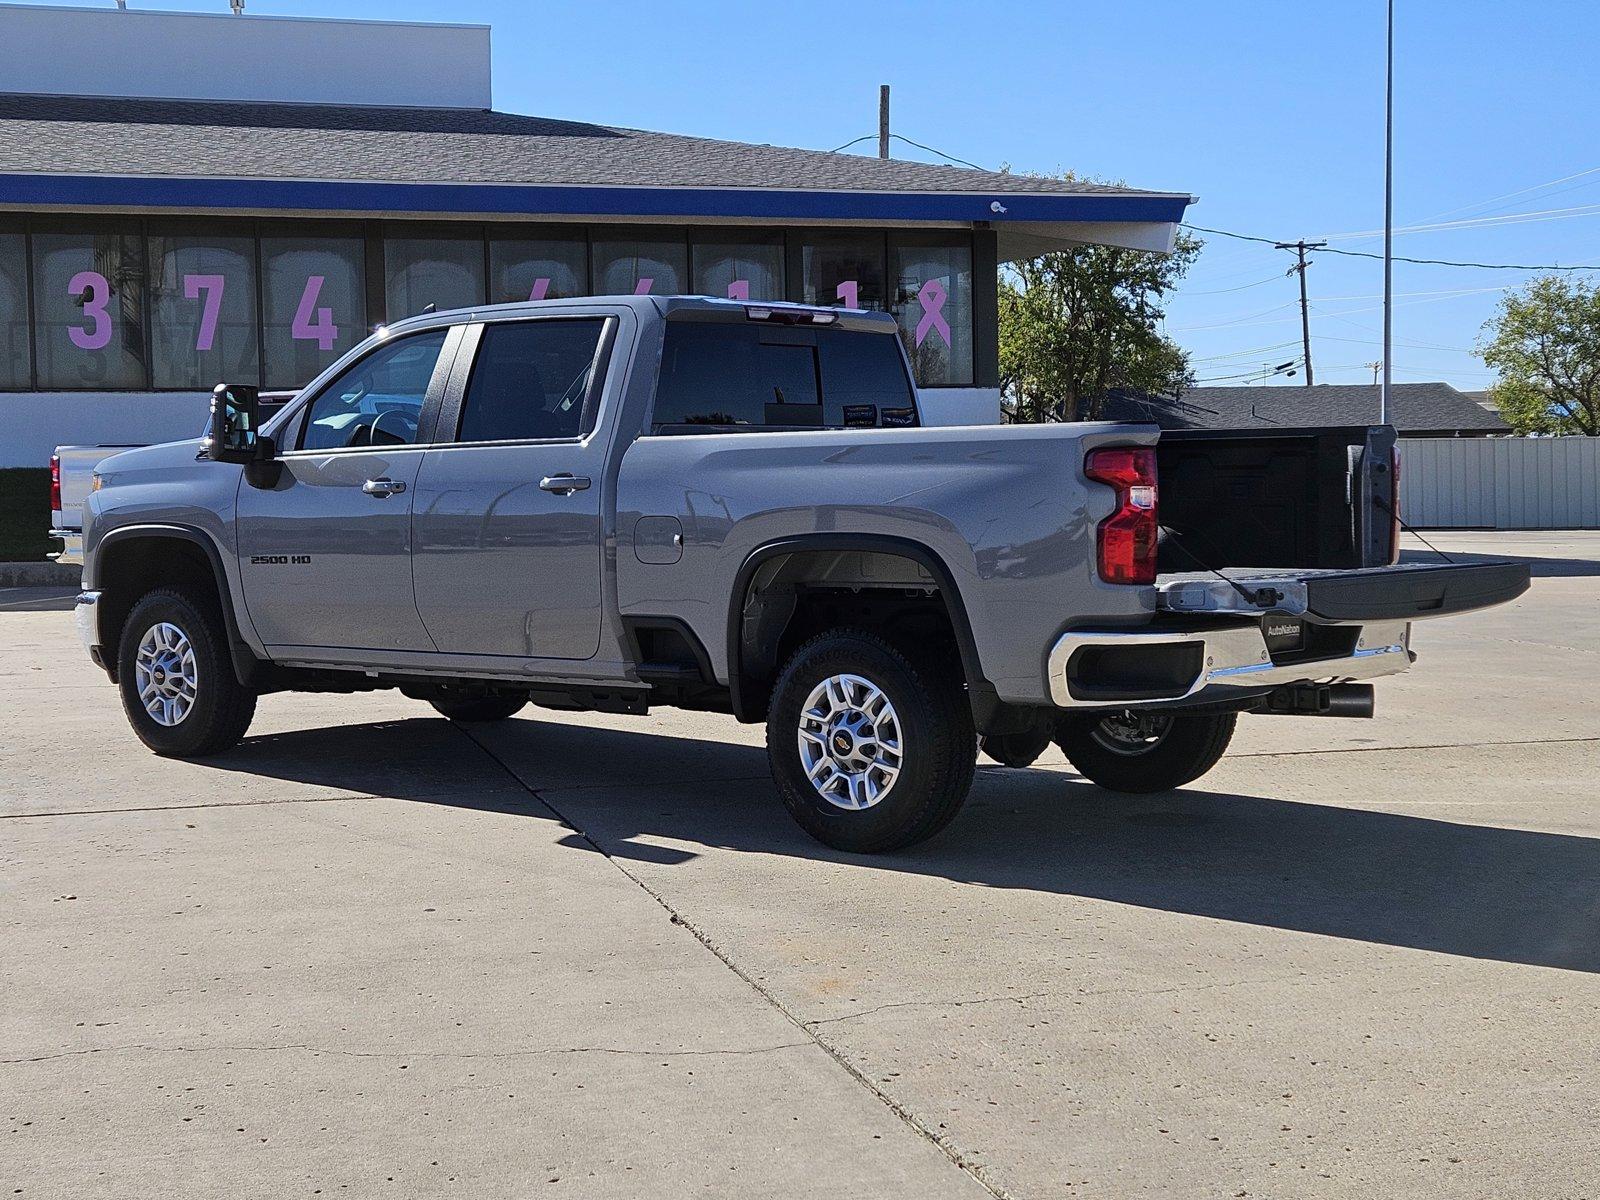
[[92, 290], [322, 330]]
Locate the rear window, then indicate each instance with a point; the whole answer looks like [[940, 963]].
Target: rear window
[[730, 377]]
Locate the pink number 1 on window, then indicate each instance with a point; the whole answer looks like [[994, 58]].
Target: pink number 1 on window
[[848, 292], [322, 331], [210, 305]]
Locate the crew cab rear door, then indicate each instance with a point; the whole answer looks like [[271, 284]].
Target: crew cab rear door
[[509, 501]]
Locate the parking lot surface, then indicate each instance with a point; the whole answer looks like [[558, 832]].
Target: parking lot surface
[[373, 953]]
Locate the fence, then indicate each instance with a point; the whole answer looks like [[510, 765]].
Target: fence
[[1500, 483]]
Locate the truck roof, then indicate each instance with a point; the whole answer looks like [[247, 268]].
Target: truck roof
[[703, 307]]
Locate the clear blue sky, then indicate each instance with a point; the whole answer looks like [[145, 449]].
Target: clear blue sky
[[1271, 113]]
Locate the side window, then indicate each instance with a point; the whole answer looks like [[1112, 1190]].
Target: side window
[[531, 381], [729, 375], [378, 401]]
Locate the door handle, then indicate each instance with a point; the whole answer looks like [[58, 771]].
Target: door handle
[[382, 487], [564, 484]]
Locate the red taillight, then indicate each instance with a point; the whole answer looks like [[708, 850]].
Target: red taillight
[[55, 483], [1125, 543]]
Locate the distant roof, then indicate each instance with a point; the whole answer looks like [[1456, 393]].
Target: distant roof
[[1419, 408], [306, 151]]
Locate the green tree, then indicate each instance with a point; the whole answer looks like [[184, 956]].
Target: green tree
[[1545, 344], [1075, 324]]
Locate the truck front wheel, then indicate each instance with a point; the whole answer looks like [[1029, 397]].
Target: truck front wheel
[[871, 750], [1144, 751], [176, 677]]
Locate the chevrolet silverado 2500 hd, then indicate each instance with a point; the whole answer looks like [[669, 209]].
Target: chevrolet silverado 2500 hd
[[615, 503]]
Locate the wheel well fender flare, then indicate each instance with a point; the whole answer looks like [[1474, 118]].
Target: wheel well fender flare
[[980, 689], [246, 666]]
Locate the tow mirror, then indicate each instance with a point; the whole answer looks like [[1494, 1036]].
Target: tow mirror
[[235, 423]]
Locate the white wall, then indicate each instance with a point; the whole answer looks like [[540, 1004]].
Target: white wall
[[1500, 483], [219, 56], [959, 406], [32, 424]]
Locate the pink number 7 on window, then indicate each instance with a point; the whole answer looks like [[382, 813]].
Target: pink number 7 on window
[[322, 331], [208, 290]]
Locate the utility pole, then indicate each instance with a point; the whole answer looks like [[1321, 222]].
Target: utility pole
[[1388, 216], [1300, 249], [883, 120], [1374, 366]]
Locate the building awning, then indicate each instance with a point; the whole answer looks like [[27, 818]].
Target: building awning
[[76, 153]]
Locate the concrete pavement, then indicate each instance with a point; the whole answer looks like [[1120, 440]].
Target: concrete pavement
[[371, 952]]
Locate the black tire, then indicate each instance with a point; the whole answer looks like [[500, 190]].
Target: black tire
[[480, 708], [1018, 749], [220, 707], [937, 740], [1188, 745]]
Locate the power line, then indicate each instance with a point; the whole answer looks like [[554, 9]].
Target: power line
[[1434, 262]]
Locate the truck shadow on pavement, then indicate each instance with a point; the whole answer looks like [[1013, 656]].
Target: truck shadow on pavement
[[659, 800]]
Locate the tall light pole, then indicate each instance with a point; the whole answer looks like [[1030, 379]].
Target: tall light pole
[[1388, 220]]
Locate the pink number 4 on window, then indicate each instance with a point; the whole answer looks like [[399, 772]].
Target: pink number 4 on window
[[322, 330]]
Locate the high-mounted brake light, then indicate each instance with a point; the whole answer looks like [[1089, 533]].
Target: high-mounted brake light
[[55, 483], [788, 316], [1125, 542]]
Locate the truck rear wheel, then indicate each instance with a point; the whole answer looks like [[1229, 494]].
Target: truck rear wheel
[[1133, 751], [176, 677], [871, 750]]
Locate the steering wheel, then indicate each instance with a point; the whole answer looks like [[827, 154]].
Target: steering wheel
[[407, 428]]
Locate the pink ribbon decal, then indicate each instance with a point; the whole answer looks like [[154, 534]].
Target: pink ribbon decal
[[932, 296], [739, 289], [642, 288], [849, 292], [541, 287]]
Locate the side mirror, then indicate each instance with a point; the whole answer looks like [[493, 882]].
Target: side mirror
[[235, 421]]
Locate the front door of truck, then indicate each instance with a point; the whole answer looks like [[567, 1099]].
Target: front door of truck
[[325, 549], [507, 508]]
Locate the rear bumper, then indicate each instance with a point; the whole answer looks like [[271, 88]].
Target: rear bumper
[[71, 552], [1100, 668]]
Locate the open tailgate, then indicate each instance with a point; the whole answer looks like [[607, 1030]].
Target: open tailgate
[[1404, 592]]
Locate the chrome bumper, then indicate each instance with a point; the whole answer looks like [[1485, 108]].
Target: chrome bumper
[[72, 546], [86, 616], [1231, 659]]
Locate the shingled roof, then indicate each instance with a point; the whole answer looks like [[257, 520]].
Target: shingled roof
[[1419, 409], [64, 134]]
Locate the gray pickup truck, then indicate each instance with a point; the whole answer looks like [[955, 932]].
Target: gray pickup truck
[[616, 503]]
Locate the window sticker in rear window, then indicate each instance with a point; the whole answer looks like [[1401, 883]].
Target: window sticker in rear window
[[860, 416], [899, 416]]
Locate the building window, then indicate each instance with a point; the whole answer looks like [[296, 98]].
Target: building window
[[313, 302], [16, 360], [931, 277], [89, 310], [843, 268], [739, 268], [443, 272], [537, 269], [203, 311], [640, 266]]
